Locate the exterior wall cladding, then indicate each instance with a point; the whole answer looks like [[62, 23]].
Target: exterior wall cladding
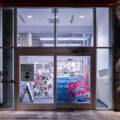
[[117, 58]]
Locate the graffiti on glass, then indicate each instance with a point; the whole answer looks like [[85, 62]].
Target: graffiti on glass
[[79, 87]]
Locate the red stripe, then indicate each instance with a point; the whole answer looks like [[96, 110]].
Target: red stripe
[[63, 4]]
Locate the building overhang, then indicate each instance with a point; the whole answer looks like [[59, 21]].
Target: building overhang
[[57, 3]]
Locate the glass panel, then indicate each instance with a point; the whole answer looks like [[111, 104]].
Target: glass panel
[[8, 27], [74, 27], [7, 76], [36, 79], [104, 27], [104, 79], [35, 27], [73, 79]]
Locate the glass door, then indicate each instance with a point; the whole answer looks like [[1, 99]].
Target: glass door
[[36, 82], [74, 82], [42, 87]]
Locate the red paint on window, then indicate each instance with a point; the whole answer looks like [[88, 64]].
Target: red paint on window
[[83, 85]]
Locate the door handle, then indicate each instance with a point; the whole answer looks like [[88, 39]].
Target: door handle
[[7, 81]]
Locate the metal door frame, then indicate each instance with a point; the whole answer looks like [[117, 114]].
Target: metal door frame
[[53, 52]]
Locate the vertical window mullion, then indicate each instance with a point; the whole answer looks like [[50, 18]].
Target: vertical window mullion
[[94, 23], [55, 27], [15, 27], [94, 42]]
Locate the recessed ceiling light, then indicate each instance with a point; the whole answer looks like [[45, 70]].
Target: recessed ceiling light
[[81, 17], [29, 16], [36, 62]]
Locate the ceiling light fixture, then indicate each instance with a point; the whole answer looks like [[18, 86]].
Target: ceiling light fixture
[[81, 17], [29, 16]]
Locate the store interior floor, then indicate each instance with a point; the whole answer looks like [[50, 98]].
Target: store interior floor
[[100, 104]]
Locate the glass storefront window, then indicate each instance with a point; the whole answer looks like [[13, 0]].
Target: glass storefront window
[[6, 58], [7, 27], [74, 27], [36, 79], [35, 27], [104, 79], [104, 27], [6, 76], [73, 79]]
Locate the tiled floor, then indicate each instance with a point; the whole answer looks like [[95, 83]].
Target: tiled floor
[[59, 115]]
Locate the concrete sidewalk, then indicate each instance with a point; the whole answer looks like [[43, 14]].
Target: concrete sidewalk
[[59, 115]]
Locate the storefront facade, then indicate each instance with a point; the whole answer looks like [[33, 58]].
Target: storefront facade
[[57, 57]]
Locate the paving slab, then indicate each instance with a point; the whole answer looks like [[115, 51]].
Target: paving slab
[[60, 115]]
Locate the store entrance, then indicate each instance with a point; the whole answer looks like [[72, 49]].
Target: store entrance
[[51, 82], [55, 53]]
